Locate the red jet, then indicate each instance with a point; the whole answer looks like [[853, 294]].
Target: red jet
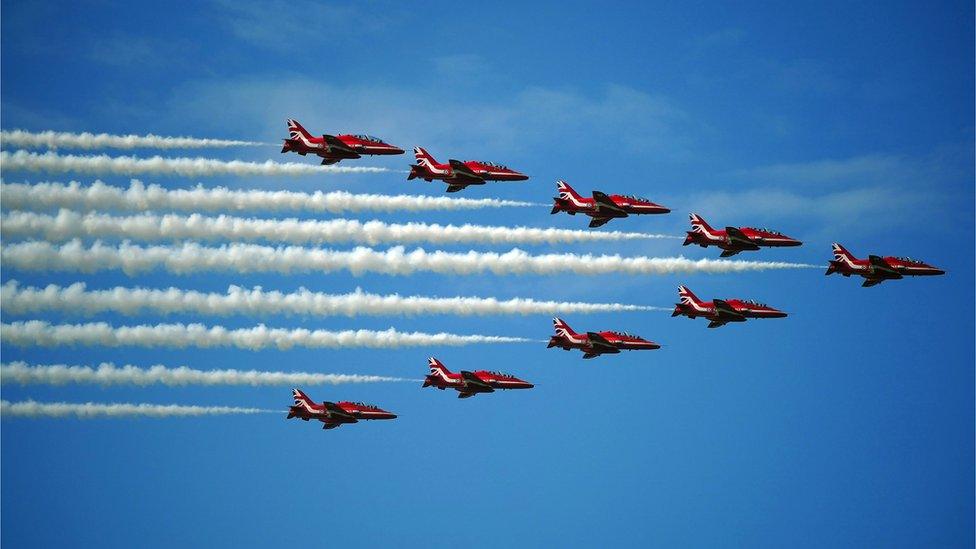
[[594, 344], [734, 240], [459, 175], [334, 414], [333, 148], [875, 269], [720, 311], [469, 384], [602, 208]]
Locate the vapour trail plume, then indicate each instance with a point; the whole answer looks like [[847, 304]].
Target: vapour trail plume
[[191, 257], [140, 197], [89, 141], [130, 165], [68, 224], [180, 336], [108, 373], [78, 300], [91, 410]]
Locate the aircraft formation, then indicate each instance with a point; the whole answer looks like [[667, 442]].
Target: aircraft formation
[[601, 208]]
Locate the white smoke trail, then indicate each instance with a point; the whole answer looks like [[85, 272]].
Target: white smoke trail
[[110, 374], [91, 410], [251, 258], [140, 197], [150, 227], [131, 165], [76, 299], [89, 141], [181, 336]]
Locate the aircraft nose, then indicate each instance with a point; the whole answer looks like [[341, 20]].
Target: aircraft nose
[[938, 271], [794, 242]]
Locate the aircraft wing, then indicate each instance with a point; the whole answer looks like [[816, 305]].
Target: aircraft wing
[[882, 267], [335, 411], [326, 424], [606, 206], [726, 313], [599, 222], [336, 146], [463, 174], [474, 383], [740, 239], [600, 344]]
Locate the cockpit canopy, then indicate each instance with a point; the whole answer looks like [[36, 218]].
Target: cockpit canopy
[[765, 230], [754, 303], [372, 138], [494, 165], [624, 334], [499, 374], [365, 405], [908, 259], [635, 198]]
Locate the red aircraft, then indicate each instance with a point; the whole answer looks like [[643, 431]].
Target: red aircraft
[[469, 384], [602, 208], [334, 414], [459, 175], [734, 240], [720, 311], [875, 269], [594, 344], [333, 148]]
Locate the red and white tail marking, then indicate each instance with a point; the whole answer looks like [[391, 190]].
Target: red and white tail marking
[[296, 131], [438, 369], [302, 400], [699, 225], [564, 331], [841, 254], [568, 193], [688, 298], [425, 159]]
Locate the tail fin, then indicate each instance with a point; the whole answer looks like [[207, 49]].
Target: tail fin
[[565, 191], [424, 158], [436, 366], [562, 329], [841, 253], [301, 399], [296, 131], [698, 224], [686, 296]]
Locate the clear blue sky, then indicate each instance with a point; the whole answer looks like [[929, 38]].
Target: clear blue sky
[[849, 424]]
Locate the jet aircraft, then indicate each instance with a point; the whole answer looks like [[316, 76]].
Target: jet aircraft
[[458, 174], [733, 240], [594, 344], [334, 414], [602, 207], [875, 269], [721, 311], [469, 384], [333, 148]]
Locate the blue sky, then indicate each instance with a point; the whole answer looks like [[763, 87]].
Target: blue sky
[[848, 424]]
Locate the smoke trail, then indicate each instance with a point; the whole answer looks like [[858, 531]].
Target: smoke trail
[[88, 141], [91, 410], [76, 299], [181, 336], [250, 258], [140, 197], [150, 227], [109, 374], [131, 165]]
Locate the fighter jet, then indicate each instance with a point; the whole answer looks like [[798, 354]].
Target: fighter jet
[[469, 384], [594, 344], [333, 148], [734, 240], [458, 174], [602, 208], [875, 269], [334, 414], [720, 311]]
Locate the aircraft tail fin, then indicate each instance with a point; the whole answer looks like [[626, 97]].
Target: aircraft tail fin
[[698, 224], [686, 296], [295, 130], [562, 329], [841, 253], [301, 399], [565, 191], [424, 158]]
